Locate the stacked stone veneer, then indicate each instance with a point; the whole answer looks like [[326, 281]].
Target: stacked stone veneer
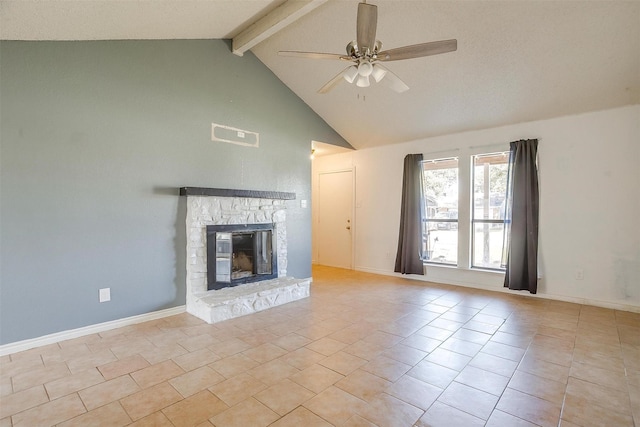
[[217, 305]]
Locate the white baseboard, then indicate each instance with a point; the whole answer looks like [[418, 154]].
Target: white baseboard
[[585, 301], [18, 346]]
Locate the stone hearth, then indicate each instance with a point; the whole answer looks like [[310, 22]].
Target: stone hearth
[[227, 303], [210, 206]]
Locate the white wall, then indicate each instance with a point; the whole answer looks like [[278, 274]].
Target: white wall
[[589, 172]]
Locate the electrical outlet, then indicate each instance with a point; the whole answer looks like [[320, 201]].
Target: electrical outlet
[[579, 274], [105, 294]]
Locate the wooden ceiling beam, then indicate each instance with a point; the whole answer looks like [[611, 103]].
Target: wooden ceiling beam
[[280, 17]]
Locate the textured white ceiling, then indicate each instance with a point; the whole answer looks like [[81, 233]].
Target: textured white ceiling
[[517, 61]]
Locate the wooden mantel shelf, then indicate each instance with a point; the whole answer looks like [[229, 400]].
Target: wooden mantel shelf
[[228, 192]]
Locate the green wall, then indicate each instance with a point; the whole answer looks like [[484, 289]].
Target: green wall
[[96, 139]]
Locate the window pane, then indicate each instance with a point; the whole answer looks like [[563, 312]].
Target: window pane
[[489, 191], [441, 186], [487, 245], [440, 234], [489, 185], [441, 246]]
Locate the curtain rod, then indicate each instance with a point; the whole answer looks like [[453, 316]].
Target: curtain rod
[[442, 151], [471, 147], [498, 144]]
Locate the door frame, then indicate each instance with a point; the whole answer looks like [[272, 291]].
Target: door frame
[[316, 212]]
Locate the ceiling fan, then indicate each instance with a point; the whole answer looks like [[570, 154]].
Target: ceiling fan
[[366, 55]]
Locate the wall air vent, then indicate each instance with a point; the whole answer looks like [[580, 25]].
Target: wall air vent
[[234, 136]]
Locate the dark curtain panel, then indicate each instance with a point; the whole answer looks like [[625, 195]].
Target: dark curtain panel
[[408, 258], [521, 218]]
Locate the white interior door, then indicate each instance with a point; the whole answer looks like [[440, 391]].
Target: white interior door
[[335, 222]]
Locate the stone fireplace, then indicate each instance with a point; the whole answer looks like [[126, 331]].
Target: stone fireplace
[[237, 253]]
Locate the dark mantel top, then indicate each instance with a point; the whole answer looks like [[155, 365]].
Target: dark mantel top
[[227, 192]]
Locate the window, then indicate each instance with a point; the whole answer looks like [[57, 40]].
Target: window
[[472, 191], [489, 191], [440, 224]]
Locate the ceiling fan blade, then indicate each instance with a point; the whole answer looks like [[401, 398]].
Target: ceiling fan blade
[[393, 81], [333, 82], [366, 27], [313, 55], [418, 50]]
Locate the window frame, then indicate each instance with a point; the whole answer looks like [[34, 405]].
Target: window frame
[[426, 220], [475, 221], [466, 194]]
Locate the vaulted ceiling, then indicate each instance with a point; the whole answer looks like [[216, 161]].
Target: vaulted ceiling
[[516, 61]]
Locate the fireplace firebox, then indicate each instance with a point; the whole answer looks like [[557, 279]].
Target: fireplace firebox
[[240, 253]]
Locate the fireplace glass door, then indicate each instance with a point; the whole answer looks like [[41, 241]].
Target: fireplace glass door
[[223, 257], [264, 253], [240, 254]]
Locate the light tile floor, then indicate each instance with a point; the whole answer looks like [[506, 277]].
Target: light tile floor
[[363, 350]]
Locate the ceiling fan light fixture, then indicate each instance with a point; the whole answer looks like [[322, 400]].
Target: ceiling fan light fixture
[[365, 68], [378, 73], [350, 73], [363, 81]]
